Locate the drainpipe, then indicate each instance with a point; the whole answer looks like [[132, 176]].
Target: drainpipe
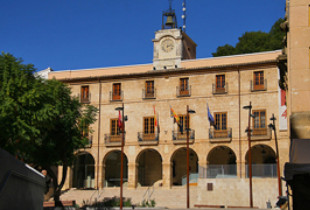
[[99, 119], [239, 104]]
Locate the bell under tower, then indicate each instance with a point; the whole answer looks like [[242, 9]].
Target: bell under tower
[[171, 44]]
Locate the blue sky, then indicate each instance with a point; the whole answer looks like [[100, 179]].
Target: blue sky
[[77, 34]]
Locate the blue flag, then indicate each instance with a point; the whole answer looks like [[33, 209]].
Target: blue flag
[[210, 117]]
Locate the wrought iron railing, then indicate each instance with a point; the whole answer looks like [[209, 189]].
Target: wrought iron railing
[[84, 100], [149, 94], [220, 134], [148, 137], [113, 140], [183, 92], [116, 97], [217, 90], [259, 87], [177, 135]]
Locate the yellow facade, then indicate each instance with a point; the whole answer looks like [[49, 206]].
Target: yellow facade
[[161, 162]]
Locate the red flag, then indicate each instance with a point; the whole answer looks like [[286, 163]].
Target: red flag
[[156, 124], [120, 123], [155, 118]]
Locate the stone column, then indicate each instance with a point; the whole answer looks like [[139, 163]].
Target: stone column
[[202, 168], [132, 174], [167, 174]]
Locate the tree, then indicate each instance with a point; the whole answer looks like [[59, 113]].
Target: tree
[[40, 122], [257, 41]]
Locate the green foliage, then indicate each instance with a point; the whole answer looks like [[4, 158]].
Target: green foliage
[[108, 203], [257, 41], [39, 120], [147, 203]]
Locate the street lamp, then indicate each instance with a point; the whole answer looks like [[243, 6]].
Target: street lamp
[[189, 111], [248, 130], [273, 127], [122, 154]]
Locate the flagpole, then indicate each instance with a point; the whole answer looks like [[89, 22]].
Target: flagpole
[[188, 111], [121, 125], [250, 154], [122, 159], [187, 157]]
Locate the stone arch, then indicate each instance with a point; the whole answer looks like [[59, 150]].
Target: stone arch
[[221, 163], [112, 169], [149, 167], [179, 166], [263, 161], [83, 171]]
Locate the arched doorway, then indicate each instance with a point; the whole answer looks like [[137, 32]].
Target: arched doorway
[[84, 171], [263, 161], [179, 166], [221, 162], [112, 169], [149, 163]]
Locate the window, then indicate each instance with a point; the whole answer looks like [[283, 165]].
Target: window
[[149, 89], [220, 83], [183, 122], [148, 127], [116, 91], [114, 127], [258, 80], [85, 94], [184, 87], [221, 121], [259, 122]]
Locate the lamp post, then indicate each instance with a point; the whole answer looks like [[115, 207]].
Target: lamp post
[[248, 130], [122, 155], [273, 127], [187, 153]]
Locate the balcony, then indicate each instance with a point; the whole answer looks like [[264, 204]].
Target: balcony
[[148, 139], [149, 94], [220, 135], [216, 90], [113, 140], [183, 93], [84, 100], [261, 134], [181, 138], [116, 97], [260, 87]]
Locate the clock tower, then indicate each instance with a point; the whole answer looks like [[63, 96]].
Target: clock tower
[[171, 44]]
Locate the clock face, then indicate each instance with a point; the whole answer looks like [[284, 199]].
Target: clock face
[[167, 45]]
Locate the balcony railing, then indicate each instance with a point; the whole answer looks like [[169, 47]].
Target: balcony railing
[[261, 87], [148, 138], [262, 170], [116, 97], [183, 93], [216, 90], [218, 171], [149, 94], [113, 140], [261, 134], [220, 135], [85, 100], [181, 138]]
